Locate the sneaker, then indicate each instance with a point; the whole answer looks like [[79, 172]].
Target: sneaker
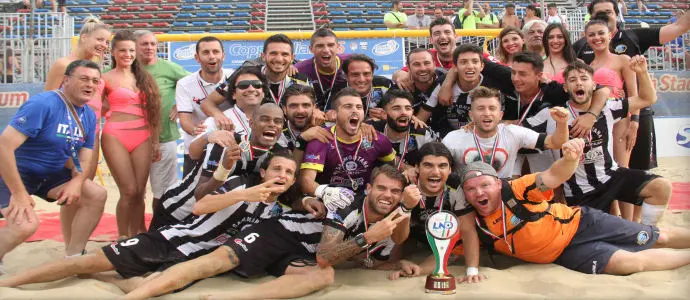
[[83, 252]]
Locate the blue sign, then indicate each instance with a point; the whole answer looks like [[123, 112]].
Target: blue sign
[[389, 53]]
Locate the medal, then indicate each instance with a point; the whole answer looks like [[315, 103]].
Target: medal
[[368, 262], [490, 159]]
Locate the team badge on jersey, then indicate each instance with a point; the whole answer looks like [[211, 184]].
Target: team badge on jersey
[[642, 238]]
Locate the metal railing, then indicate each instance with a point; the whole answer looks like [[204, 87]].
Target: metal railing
[[30, 43]]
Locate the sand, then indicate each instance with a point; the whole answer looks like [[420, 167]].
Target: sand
[[507, 278]]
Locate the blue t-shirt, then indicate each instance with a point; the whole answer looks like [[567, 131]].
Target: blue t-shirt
[[51, 133]]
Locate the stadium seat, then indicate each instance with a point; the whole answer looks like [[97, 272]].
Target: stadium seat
[[126, 16], [138, 1], [407, 4], [170, 7], [189, 1], [175, 32], [322, 21], [155, 1], [220, 23], [386, 4], [456, 4], [133, 8], [257, 14], [77, 9], [318, 5], [180, 24], [238, 30], [151, 8], [164, 16], [107, 17], [239, 22], [145, 16], [242, 14], [358, 21], [199, 23], [174, 1], [160, 24], [225, 6], [120, 1], [356, 12], [185, 15], [244, 5], [256, 30], [256, 22], [374, 12], [409, 12], [352, 5], [217, 31], [197, 31], [370, 4], [341, 29], [444, 5], [188, 7], [337, 13], [115, 8], [377, 21], [362, 29], [84, 2], [206, 7], [339, 21], [334, 5], [320, 13], [258, 6], [223, 15], [140, 24], [203, 15], [121, 25]]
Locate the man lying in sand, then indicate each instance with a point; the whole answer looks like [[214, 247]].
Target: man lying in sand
[[293, 247], [221, 216], [579, 238]]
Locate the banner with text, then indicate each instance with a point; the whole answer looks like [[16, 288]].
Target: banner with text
[[389, 53]]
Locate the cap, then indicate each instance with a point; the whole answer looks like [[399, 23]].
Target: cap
[[476, 169]]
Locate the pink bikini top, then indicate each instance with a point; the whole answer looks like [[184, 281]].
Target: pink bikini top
[[610, 78], [126, 101], [558, 77]]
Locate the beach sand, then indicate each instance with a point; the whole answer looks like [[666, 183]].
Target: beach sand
[[507, 278]]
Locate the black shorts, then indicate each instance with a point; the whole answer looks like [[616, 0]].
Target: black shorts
[[267, 247], [599, 235], [36, 185], [144, 253], [624, 185], [643, 155]]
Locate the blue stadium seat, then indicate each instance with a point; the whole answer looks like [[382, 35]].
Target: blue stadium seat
[[203, 15], [359, 21], [197, 31], [77, 9], [180, 24], [239, 22], [85, 2], [238, 31], [340, 29], [244, 5], [175, 32], [362, 29], [77, 26], [224, 6], [42, 10], [370, 4], [103, 2], [380, 28], [339, 21], [96, 9], [653, 6], [199, 23], [374, 12], [242, 14], [190, 1], [217, 31], [386, 4], [352, 5], [206, 6], [188, 7], [220, 23], [649, 13], [664, 13], [377, 21], [185, 15], [356, 12], [71, 3], [337, 13], [223, 15], [334, 5]]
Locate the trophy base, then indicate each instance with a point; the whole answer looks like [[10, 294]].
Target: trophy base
[[440, 284]]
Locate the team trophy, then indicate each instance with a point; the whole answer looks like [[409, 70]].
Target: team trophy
[[441, 231]]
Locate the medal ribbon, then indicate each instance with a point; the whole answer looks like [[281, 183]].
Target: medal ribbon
[[335, 75], [281, 88], [588, 140], [529, 106], [505, 237], [340, 158], [493, 151], [245, 125], [405, 147]]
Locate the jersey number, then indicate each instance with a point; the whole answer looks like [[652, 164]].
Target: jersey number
[[130, 242], [251, 237]]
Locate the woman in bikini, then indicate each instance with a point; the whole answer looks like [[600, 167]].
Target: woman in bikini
[[510, 41], [612, 70], [559, 51], [92, 45], [130, 134]]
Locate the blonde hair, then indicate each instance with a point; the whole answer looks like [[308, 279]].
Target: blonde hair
[[92, 24]]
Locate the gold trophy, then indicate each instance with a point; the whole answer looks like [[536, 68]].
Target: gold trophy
[[442, 233]]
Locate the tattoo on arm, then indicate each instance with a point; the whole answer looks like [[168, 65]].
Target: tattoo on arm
[[539, 181], [332, 249]]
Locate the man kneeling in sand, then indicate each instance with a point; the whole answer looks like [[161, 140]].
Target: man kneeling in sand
[[579, 238], [248, 200]]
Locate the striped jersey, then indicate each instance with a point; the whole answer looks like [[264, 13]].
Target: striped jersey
[[596, 164], [408, 147], [201, 234]]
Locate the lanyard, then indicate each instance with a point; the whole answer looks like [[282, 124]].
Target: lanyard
[[243, 123], [368, 262], [405, 146], [201, 85], [524, 114], [72, 112], [281, 88], [493, 151], [505, 237], [335, 76], [353, 184]]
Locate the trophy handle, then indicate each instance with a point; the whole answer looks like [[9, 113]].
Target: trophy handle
[[441, 250]]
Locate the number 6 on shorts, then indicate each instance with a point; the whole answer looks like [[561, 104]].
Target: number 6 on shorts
[[130, 242], [250, 238]]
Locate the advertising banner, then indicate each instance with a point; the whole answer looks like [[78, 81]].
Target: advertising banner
[[389, 53]]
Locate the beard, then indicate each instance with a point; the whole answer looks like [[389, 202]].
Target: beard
[[393, 125]]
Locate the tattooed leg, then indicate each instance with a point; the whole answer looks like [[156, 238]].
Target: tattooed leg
[[219, 261]]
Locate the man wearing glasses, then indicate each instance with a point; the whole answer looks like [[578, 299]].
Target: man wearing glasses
[[43, 152]]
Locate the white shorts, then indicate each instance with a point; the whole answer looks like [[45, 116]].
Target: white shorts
[[164, 172]]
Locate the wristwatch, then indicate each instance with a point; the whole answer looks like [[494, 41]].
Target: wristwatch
[[361, 242]]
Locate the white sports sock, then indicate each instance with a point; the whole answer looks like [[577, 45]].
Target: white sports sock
[[651, 213], [83, 252]]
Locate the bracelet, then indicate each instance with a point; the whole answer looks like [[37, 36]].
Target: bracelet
[[635, 118], [472, 271], [405, 209], [591, 113]]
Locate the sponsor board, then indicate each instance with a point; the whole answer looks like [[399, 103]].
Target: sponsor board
[[387, 52], [672, 136]]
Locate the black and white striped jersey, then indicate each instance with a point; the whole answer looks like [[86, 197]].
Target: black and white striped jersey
[[596, 164], [201, 234], [350, 220], [418, 137]]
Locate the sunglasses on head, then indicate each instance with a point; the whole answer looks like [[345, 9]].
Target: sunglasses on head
[[244, 84]]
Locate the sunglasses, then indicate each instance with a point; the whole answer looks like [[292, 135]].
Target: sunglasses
[[244, 84]]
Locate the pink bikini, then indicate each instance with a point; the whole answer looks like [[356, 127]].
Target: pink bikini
[[130, 133], [558, 77], [610, 78]]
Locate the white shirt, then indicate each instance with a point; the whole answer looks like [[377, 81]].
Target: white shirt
[[191, 90], [511, 138]]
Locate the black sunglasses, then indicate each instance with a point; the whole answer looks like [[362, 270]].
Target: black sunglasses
[[244, 84]]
